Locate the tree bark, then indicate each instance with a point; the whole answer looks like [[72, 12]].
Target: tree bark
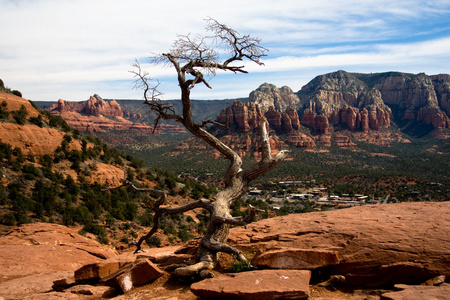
[[192, 57]]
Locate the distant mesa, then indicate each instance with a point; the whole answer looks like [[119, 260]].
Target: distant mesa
[[97, 115], [341, 106]]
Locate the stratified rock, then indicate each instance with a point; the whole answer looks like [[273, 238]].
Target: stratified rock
[[435, 281], [94, 106], [262, 285], [316, 122], [343, 141], [268, 95], [240, 117], [378, 245], [274, 118], [299, 259], [419, 97], [294, 118], [97, 115], [299, 139], [418, 292], [344, 99]]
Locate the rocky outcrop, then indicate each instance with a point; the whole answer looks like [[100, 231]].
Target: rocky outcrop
[[373, 245], [318, 123], [299, 139], [419, 98], [240, 117], [268, 95], [33, 256], [274, 119], [93, 107], [98, 115], [343, 141], [343, 100]]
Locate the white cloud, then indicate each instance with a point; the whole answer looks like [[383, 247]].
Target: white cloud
[[71, 49]]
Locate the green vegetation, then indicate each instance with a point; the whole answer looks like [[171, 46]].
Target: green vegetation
[[40, 192], [5, 89], [364, 169]]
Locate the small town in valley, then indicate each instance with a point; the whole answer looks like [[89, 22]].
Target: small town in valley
[[299, 192]]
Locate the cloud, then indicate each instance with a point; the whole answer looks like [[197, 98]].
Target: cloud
[[72, 49]]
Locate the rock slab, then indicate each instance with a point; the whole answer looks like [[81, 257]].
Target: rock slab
[[377, 245], [295, 259], [418, 292], [261, 285]]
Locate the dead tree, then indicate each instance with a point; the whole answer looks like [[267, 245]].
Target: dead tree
[[193, 60]]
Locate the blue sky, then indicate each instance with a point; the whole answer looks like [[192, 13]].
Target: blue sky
[[71, 49]]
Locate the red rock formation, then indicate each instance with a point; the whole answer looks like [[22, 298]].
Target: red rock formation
[[241, 117], [299, 139], [274, 118], [317, 122], [433, 116], [97, 115], [293, 115], [94, 106], [343, 141]]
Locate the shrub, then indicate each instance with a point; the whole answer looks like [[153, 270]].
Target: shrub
[[9, 219], [184, 235], [94, 229], [17, 93], [3, 112], [153, 241], [19, 115], [37, 120], [240, 266]]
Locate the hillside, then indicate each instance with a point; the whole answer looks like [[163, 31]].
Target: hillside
[[51, 172]]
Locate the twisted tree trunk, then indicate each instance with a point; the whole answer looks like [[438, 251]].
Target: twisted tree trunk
[[191, 57]]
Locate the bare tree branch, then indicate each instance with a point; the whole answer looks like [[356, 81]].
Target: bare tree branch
[[194, 58], [204, 123]]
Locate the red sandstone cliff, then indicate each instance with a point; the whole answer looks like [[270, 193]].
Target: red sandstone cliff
[[96, 115], [343, 100]]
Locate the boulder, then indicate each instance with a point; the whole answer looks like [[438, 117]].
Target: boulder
[[261, 285], [292, 258], [418, 292], [141, 272], [94, 272]]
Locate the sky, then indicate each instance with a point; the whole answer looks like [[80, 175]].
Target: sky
[[72, 49]]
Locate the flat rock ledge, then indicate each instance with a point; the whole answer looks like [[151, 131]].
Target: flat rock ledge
[[418, 292], [261, 285]]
